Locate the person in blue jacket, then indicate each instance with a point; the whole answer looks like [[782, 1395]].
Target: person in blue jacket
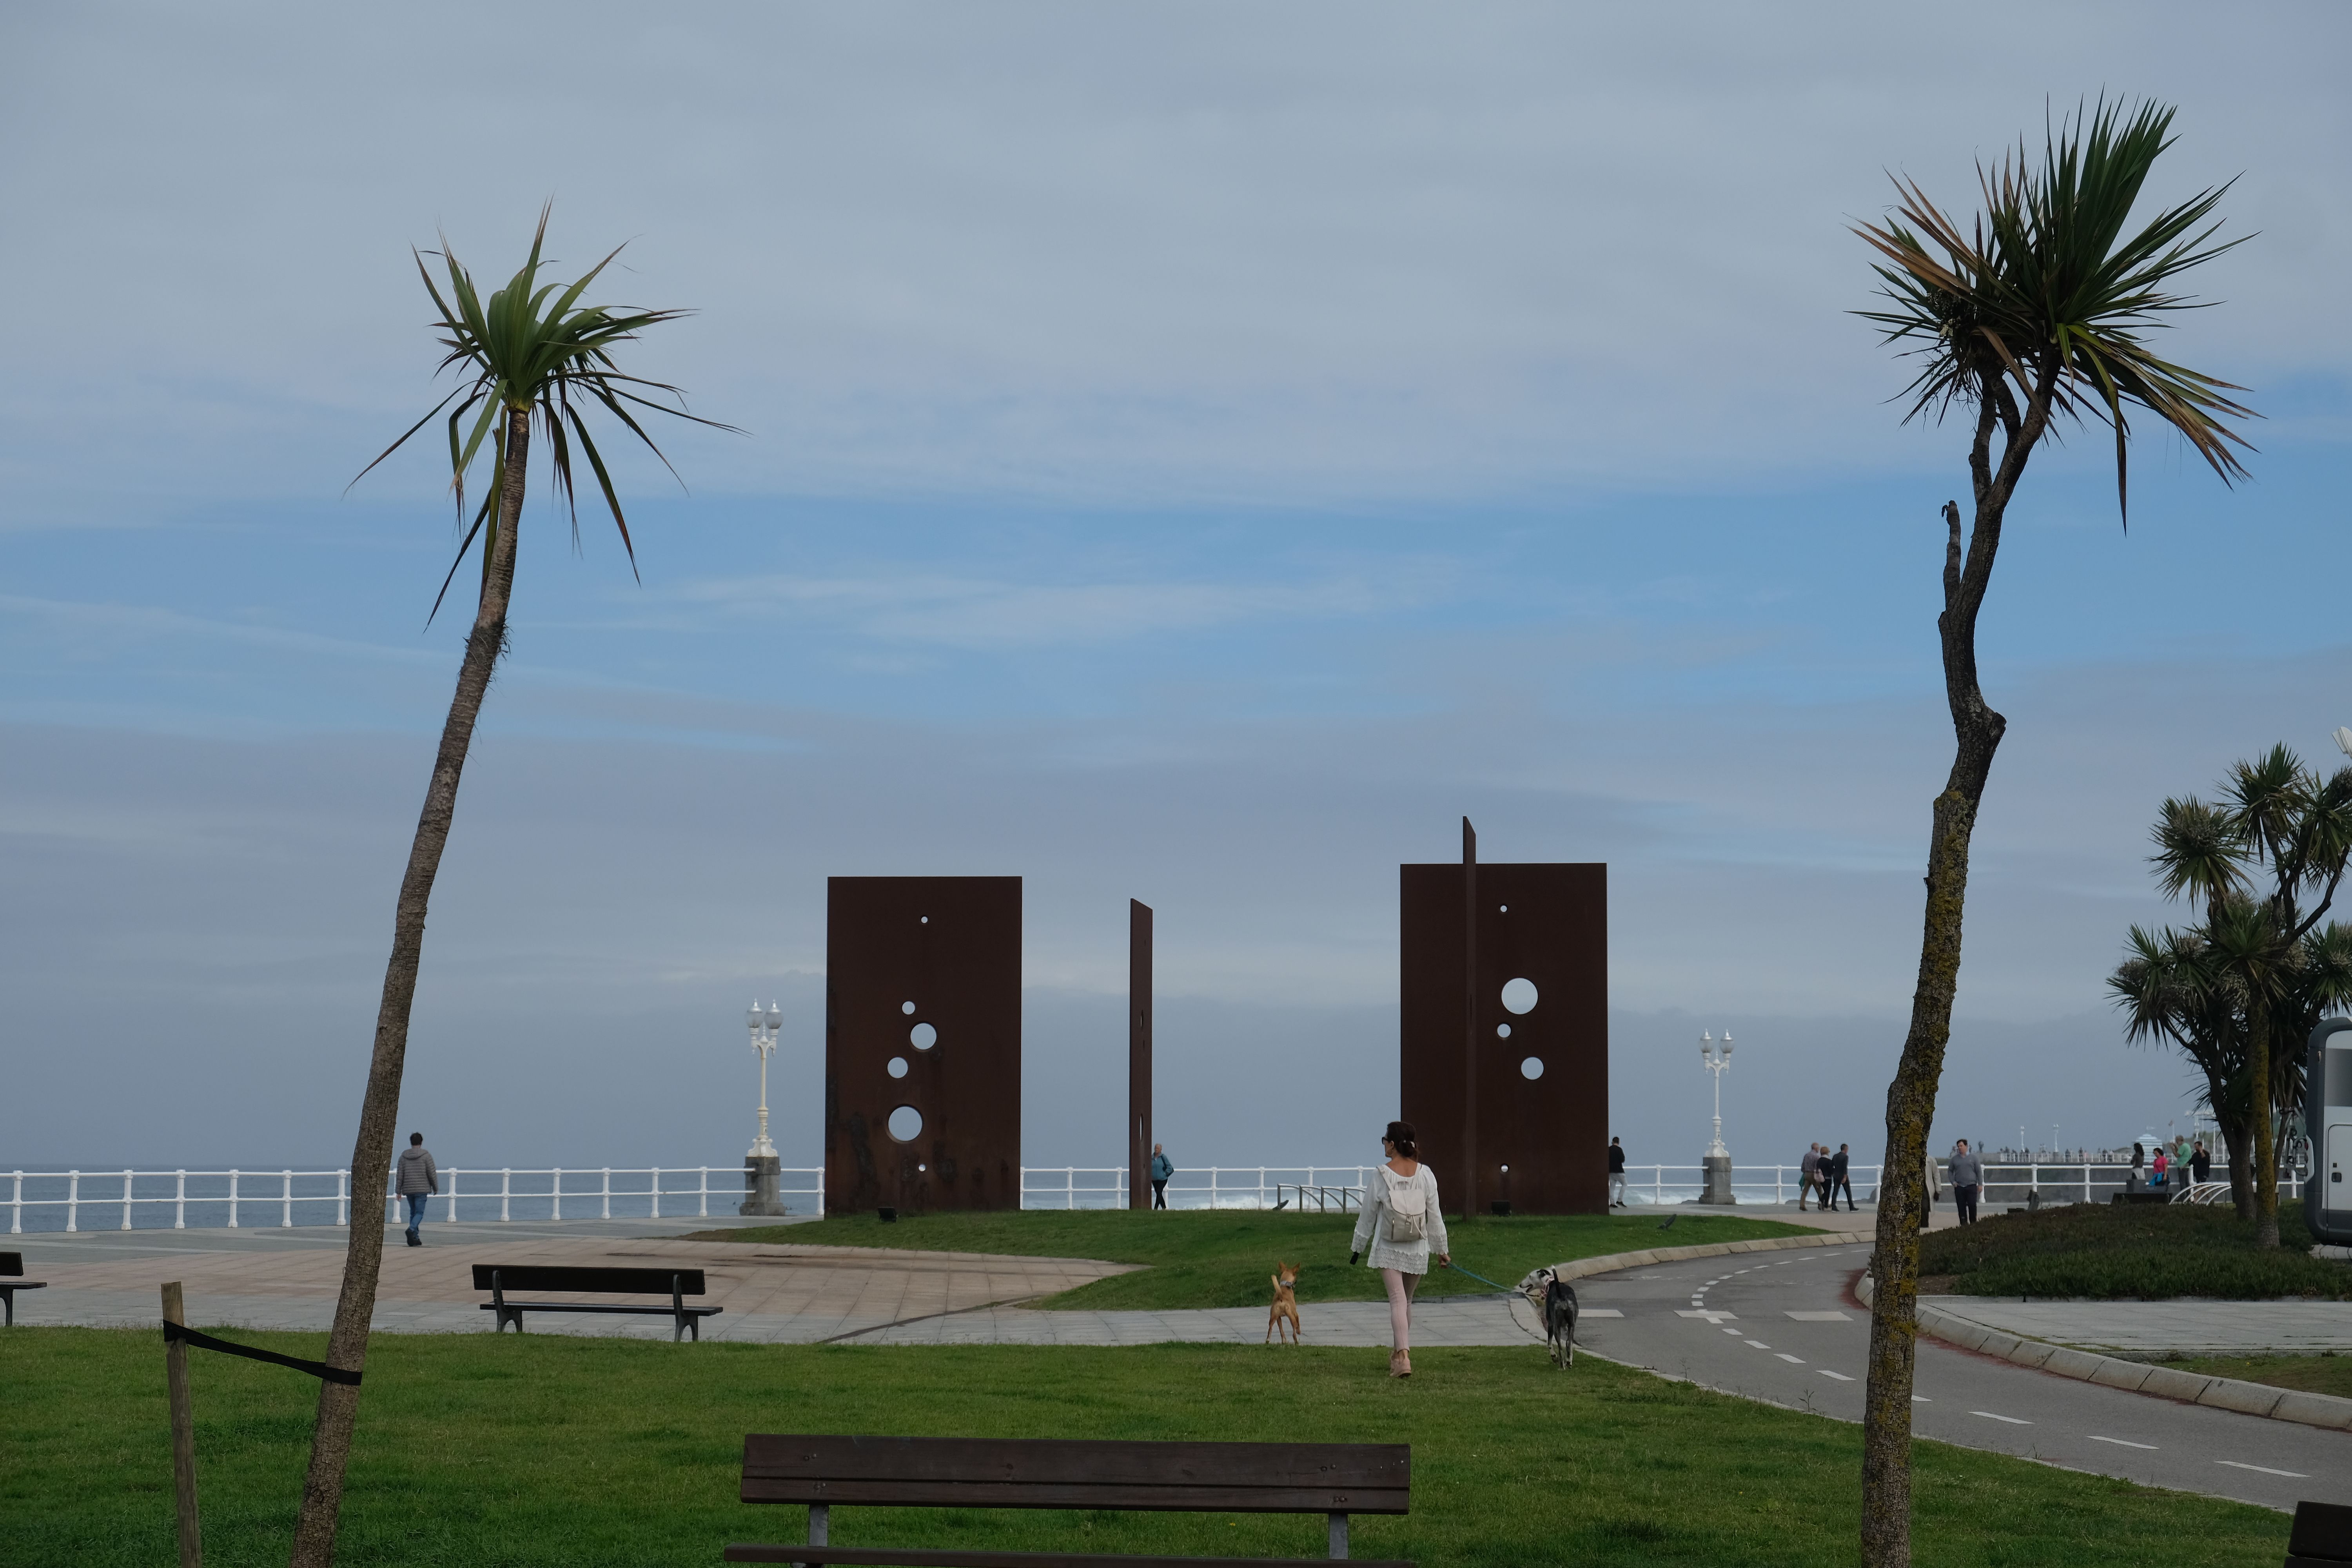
[[1161, 1169]]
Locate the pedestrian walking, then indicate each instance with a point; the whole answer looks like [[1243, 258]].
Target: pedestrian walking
[[2159, 1164], [1839, 1182], [2201, 1164], [1808, 1173], [1928, 1191], [1162, 1167], [1400, 1229], [1968, 1181], [415, 1178], [1616, 1175]]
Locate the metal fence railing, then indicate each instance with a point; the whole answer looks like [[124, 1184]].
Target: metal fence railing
[[132, 1199]]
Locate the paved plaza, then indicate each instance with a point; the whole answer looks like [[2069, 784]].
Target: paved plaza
[[772, 1294]]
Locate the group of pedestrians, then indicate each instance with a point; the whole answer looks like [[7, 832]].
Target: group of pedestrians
[[2167, 1166], [1825, 1177]]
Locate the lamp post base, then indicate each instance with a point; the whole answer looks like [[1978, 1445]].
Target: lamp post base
[[1716, 1187], [762, 1179]]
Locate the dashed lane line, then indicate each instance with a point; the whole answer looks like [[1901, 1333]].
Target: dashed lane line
[[1827, 1372], [2012, 1420], [1784, 1355], [2264, 1469], [2122, 1442]]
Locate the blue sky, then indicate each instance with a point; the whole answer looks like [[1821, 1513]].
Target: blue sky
[[1191, 455]]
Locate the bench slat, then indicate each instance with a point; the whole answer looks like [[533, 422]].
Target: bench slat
[[1320, 1468], [12, 1263], [2322, 1530], [592, 1281], [598, 1307], [1161, 1499], [917, 1557]]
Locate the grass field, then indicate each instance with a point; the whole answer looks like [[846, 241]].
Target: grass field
[[1221, 1257], [2148, 1252], [477, 1451], [2327, 1373]]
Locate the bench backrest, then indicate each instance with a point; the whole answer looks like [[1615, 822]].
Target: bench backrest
[[984, 1472], [12, 1263], [2323, 1531], [587, 1281]]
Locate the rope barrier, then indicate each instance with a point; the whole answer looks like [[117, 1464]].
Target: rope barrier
[[173, 1330]]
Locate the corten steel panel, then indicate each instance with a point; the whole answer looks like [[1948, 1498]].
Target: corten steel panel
[[1544, 923], [950, 946], [1139, 1055]]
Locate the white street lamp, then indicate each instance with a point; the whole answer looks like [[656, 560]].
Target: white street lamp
[[1717, 1165], [765, 1026]]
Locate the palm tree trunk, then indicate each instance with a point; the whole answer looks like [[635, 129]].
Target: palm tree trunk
[[2258, 1070], [330, 1444]]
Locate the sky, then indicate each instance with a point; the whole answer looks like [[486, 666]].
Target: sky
[[1188, 453]]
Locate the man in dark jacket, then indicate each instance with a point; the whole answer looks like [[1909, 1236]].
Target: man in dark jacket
[[1834, 1170], [1616, 1175], [1968, 1181], [415, 1178]]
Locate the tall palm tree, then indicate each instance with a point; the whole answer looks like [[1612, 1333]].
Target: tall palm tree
[[529, 356], [2036, 313], [2172, 988]]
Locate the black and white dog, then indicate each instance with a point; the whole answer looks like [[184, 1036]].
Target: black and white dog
[[1555, 1299]]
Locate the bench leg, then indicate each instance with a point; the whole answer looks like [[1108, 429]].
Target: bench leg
[[1338, 1535], [8, 1297], [510, 1315]]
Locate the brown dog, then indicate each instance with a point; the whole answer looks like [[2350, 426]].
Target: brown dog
[[1286, 1302]]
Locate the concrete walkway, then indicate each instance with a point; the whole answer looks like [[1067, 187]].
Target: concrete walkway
[[774, 1294], [2140, 1329]]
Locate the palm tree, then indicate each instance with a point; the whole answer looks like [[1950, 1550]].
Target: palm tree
[[2171, 988], [530, 356], [2034, 314]]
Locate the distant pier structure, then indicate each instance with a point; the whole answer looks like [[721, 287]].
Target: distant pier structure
[[1504, 1063]]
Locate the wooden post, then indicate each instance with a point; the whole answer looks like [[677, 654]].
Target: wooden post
[[184, 1432], [1139, 1055]]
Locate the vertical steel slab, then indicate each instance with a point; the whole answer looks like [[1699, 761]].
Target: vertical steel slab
[[1139, 1055], [922, 959], [1547, 924]]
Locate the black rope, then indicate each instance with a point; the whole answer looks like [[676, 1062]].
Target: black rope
[[205, 1342]]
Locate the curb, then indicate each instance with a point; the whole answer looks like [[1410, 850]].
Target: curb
[[2323, 1410], [1609, 1262]]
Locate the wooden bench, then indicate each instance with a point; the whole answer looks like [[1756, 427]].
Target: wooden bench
[[12, 1269], [1332, 1479], [677, 1284], [2322, 1537]]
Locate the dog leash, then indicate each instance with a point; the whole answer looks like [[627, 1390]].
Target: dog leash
[[1480, 1278]]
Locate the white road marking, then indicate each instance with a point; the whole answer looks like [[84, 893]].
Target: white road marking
[[1921, 1399], [1735, 1331], [1759, 1345], [1784, 1355], [1703, 1313], [1827, 1372], [2265, 1469], [2012, 1420], [1600, 1312], [1818, 1317], [2123, 1442]]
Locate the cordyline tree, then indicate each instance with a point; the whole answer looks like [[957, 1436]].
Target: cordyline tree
[[2241, 991], [2033, 315], [530, 357]]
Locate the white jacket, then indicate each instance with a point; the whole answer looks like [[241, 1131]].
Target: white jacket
[[1371, 1225]]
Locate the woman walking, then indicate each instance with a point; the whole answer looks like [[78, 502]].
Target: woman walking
[[1399, 1229]]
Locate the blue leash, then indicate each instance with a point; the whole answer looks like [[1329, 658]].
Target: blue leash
[[1480, 1278]]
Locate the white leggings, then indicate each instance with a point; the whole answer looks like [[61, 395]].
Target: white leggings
[[1400, 1288]]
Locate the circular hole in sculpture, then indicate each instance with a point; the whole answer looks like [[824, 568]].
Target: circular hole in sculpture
[[908, 1008], [1520, 996], [1502, 1031], [922, 1036], [906, 1124], [1503, 909], [897, 1067], [1531, 1069], [927, 920], [920, 1166]]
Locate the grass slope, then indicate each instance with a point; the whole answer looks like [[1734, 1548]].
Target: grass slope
[[1222, 1257], [2151, 1252], [2327, 1373], [521, 1451]]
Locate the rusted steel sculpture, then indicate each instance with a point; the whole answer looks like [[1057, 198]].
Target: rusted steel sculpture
[[1537, 1142], [1139, 1055], [922, 1023]]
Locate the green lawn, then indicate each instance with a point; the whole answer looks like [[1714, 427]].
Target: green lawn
[[2327, 1373], [1222, 1257], [477, 1451], [2146, 1251]]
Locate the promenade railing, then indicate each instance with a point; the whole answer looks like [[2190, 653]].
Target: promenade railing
[[235, 1199], [133, 1199]]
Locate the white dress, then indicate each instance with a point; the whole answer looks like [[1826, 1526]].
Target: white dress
[[1371, 1225]]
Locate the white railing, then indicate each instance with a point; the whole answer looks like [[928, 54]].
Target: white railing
[[232, 1198], [525, 1194]]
